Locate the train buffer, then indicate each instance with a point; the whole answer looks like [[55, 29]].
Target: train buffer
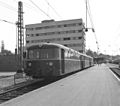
[[95, 86]]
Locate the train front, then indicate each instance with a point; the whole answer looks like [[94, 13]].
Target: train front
[[43, 61]]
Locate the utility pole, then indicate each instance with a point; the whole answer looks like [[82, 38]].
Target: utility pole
[[86, 29], [86, 16], [2, 46], [20, 36]]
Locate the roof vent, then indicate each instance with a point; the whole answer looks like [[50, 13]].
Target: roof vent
[[46, 21]]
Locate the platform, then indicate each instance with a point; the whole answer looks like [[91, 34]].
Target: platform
[[95, 86]]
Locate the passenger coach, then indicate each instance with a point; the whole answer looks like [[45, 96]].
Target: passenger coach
[[53, 60]]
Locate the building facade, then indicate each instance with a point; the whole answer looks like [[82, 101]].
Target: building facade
[[69, 33]]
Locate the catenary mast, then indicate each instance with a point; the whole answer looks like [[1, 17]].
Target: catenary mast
[[20, 36]]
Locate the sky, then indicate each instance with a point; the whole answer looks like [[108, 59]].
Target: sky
[[105, 15]]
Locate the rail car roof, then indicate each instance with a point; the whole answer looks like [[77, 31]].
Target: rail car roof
[[44, 45]]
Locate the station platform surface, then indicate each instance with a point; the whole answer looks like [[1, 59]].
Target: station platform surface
[[95, 86]]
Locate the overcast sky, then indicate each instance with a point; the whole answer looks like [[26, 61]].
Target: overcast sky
[[105, 16]]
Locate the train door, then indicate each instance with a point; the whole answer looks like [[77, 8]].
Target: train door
[[82, 61], [62, 61], [90, 62]]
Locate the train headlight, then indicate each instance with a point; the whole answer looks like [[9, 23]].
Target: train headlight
[[29, 64], [50, 64]]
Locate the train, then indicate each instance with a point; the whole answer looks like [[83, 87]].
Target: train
[[47, 60]]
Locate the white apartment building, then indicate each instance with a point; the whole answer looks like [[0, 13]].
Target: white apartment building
[[66, 32]]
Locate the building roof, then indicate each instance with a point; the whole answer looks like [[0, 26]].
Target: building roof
[[53, 21]]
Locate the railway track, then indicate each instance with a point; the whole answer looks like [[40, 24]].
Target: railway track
[[16, 90], [116, 71], [11, 92]]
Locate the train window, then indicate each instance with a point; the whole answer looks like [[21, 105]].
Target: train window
[[49, 53], [30, 54], [33, 54], [66, 54], [37, 54], [43, 54]]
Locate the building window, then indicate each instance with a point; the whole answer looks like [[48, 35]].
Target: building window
[[65, 25], [53, 33], [29, 29], [37, 34], [79, 37], [66, 38], [58, 39], [38, 28], [56, 26], [59, 26], [27, 41], [32, 35], [80, 24], [73, 38], [79, 31], [27, 35], [46, 27], [65, 45]]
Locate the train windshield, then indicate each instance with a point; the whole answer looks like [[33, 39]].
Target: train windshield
[[43, 53]]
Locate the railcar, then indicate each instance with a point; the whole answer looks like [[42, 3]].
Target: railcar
[[54, 60]]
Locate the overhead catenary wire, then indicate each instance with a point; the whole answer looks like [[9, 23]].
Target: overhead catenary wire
[[25, 4], [53, 9], [3, 4], [7, 21], [91, 21], [40, 9], [55, 12], [12, 24], [93, 28], [30, 6], [90, 14]]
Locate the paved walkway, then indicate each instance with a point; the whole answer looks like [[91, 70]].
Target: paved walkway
[[95, 86]]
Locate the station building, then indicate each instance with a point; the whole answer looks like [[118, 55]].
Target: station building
[[69, 33]]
